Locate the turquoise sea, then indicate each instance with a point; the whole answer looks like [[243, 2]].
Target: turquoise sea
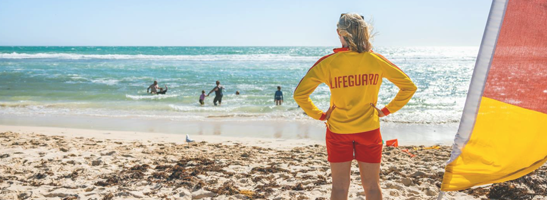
[[111, 82]]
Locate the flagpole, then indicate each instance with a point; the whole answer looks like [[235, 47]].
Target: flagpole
[[440, 196]]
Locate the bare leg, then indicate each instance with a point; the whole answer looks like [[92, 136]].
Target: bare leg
[[370, 178], [340, 180]]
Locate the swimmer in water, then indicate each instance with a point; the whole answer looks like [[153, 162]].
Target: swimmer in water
[[162, 91], [153, 89]]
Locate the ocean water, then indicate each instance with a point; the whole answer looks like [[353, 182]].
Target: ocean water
[[111, 82]]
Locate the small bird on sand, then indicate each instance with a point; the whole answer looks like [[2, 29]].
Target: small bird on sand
[[188, 138]]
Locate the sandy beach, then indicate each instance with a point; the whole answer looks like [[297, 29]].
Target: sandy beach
[[61, 163]]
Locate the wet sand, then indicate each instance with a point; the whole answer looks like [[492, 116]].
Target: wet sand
[[57, 163], [285, 129]]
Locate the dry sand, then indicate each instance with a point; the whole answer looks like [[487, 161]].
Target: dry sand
[[59, 163]]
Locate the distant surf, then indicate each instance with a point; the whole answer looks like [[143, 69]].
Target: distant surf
[[66, 56], [112, 82]]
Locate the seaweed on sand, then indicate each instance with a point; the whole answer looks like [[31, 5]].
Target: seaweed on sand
[[269, 169]]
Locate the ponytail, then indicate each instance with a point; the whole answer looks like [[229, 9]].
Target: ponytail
[[356, 32]]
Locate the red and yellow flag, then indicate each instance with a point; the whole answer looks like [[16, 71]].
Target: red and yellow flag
[[503, 132]]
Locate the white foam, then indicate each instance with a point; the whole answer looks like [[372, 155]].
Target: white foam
[[66, 56], [76, 77], [198, 108], [105, 81], [150, 96]]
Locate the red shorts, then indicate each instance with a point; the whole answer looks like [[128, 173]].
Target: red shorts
[[364, 147]]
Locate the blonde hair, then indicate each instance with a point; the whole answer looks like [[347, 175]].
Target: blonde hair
[[355, 31]]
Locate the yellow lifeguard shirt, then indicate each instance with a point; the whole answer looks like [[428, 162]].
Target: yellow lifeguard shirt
[[354, 80]]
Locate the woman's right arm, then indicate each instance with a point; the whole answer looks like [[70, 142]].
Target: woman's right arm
[[401, 80], [211, 91]]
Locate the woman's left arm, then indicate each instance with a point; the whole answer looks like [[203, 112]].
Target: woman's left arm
[[307, 85]]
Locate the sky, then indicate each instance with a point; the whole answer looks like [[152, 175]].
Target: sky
[[237, 22]]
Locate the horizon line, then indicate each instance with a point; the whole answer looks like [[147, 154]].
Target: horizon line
[[225, 46]]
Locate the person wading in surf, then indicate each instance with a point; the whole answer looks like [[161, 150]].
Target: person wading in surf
[[153, 89], [218, 93], [278, 97]]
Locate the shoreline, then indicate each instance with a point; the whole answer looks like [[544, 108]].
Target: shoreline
[[287, 129], [130, 136]]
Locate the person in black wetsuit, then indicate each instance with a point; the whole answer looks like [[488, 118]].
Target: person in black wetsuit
[[278, 97], [218, 93], [162, 91]]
